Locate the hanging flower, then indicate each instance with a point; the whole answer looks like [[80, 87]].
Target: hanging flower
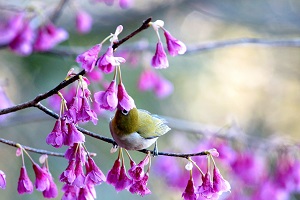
[[159, 60]]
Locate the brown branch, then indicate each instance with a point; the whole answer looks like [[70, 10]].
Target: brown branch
[[39, 151], [144, 26], [58, 10], [41, 97]]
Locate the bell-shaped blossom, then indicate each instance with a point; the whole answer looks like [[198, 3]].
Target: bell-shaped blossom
[[84, 22], [108, 99], [136, 172], [55, 138], [68, 176], [113, 174], [22, 43], [107, 62], [123, 181], [42, 178], [84, 194], [220, 185], [147, 80], [76, 152], [74, 136], [71, 113], [174, 46], [85, 112], [190, 191], [206, 189], [163, 87], [160, 60], [2, 180], [24, 184], [10, 28], [79, 174], [51, 191], [124, 100], [125, 3], [246, 164], [70, 192], [88, 58], [140, 187], [94, 174], [49, 36]]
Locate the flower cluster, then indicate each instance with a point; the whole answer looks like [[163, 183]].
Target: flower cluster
[[80, 183], [211, 187], [174, 46], [43, 179], [19, 34], [136, 180]]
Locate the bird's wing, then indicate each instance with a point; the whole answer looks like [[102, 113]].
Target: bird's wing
[[151, 126]]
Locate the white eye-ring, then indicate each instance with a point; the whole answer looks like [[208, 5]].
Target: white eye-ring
[[125, 112]]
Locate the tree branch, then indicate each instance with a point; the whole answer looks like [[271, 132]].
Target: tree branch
[[58, 10], [40, 151], [41, 97]]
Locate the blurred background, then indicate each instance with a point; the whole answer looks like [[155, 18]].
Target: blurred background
[[254, 86]]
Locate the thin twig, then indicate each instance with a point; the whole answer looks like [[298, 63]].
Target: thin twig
[[58, 10], [43, 96], [40, 151]]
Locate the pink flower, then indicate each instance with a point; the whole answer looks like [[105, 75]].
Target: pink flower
[[85, 113], [84, 194], [83, 22], [71, 113], [42, 178], [159, 59], [22, 43], [79, 174], [51, 191], [68, 176], [2, 180], [206, 189], [76, 152], [88, 58], [74, 136], [49, 36], [113, 174], [125, 101], [174, 46], [140, 187], [70, 192], [123, 181], [94, 174], [189, 192], [147, 80], [107, 62], [55, 138], [137, 170], [125, 3], [108, 99], [24, 183], [220, 185], [163, 88], [10, 29]]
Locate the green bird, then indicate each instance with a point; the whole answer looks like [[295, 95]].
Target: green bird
[[137, 129]]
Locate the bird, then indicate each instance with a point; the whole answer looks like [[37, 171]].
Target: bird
[[137, 129]]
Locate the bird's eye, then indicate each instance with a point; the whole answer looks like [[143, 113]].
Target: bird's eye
[[125, 112]]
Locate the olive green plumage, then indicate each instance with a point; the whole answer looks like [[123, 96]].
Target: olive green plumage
[[140, 121]]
